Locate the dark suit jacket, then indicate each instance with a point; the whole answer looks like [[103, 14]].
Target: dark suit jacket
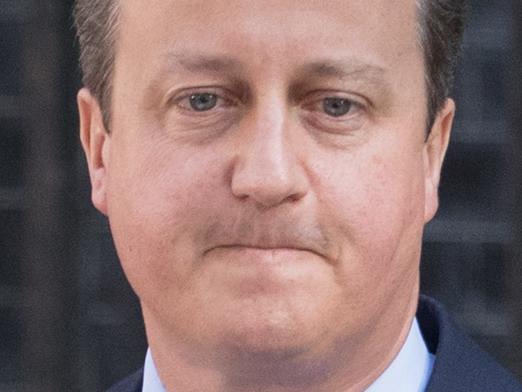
[[460, 366]]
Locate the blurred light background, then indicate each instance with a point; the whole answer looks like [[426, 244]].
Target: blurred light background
[[68, 319]]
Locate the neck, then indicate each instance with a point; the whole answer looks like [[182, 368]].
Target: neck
[[187, 367]]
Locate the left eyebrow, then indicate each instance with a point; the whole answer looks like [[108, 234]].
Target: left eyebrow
[[344, 69], [371, 76]]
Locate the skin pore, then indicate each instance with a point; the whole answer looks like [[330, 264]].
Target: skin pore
[[267, 181]]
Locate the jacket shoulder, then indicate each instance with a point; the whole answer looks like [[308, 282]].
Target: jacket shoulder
[[132, 383], [460, 365]]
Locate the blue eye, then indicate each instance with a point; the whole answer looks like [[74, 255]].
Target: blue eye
[[203, 102], [337, 107]]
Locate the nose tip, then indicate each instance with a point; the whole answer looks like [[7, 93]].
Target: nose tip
[[267, 186], [268, 173]]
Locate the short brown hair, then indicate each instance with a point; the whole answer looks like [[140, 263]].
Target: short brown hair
[[96, 23], [441, 24]]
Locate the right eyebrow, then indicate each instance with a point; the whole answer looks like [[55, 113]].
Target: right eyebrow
[[172, 63], [202, 63]]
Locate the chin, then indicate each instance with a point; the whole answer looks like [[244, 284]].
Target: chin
[[265, 345], [270, 352], [273, 334], [271, 316]]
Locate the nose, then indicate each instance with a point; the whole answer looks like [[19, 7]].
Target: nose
[[267, 168]]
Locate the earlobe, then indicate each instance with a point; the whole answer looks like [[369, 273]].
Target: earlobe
[[96, 146], [434, 152]]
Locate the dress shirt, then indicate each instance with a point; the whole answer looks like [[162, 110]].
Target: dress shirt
[[410, 371]]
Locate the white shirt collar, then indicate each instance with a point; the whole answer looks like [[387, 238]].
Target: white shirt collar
[[151, 380], [410, 371]]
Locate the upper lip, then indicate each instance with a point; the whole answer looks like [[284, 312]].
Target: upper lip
[[263, 246], [249, 233], [267, 246]]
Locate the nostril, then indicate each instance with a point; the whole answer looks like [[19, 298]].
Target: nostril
[[267, 170], [268, 191]]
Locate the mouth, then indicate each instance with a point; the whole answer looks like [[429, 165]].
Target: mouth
[[263, 255], [253, 270], [263, 247], [287, 239]]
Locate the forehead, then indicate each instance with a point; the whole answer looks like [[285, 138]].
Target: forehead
[[272, 28]]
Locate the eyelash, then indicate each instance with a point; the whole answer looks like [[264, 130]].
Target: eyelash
[[225, 100], [318, 105], [222, 99]]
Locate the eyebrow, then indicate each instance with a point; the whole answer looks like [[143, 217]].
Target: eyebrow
[[349, 69], [344, 69], [341, 69], [371, 77], [203, 63]]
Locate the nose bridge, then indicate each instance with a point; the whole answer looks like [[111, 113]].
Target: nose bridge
[[267, 150], [267, 167]]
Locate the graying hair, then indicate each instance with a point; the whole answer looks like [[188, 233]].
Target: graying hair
[[96, 23], [440, 28]]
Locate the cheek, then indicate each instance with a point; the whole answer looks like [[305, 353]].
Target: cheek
[[158, 200], [377, 204]]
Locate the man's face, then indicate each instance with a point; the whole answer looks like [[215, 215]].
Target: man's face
[[266, 176]]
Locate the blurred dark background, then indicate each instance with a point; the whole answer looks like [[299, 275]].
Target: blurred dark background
[[68, 319]]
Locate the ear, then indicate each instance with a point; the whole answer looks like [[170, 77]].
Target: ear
[[96, 145], [433, 153]]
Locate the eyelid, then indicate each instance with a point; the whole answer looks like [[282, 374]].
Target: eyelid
[[179, 95], [316, 99], [316, 119]]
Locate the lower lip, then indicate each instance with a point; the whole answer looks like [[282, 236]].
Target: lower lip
[[270, 271], [246, 254]]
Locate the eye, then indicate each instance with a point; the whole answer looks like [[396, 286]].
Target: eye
[[202, 102], [337, 107], [335, 112]]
